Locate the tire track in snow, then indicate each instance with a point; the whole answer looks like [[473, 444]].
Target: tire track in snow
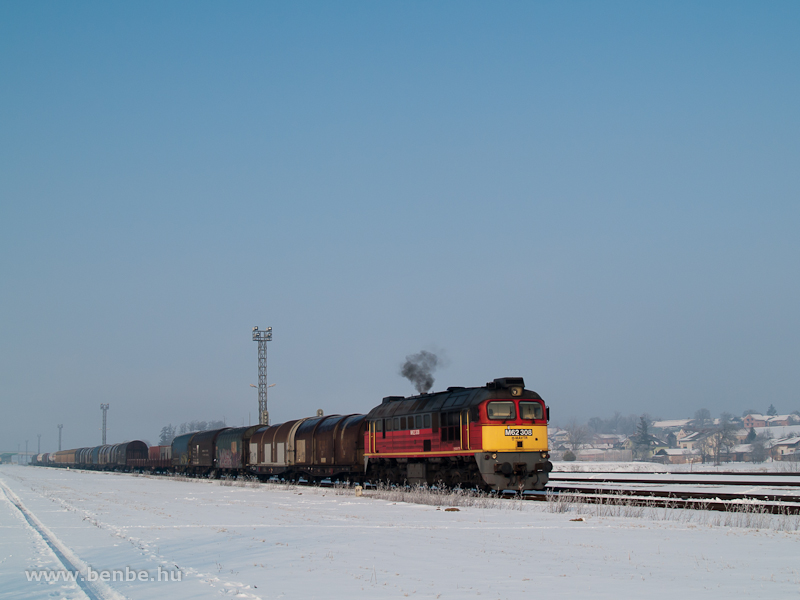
[[95, 590]]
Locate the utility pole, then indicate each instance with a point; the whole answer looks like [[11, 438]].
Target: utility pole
[[60, 427], [26, 452], [262, 337], [104, 408], [39, 444]]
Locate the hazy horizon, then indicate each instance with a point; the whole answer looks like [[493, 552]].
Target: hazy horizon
[[601, 198]]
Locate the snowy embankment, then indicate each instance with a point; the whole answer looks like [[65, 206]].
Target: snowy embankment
[[269, 541]]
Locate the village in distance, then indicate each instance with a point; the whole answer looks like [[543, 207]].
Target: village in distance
[[753, 437]]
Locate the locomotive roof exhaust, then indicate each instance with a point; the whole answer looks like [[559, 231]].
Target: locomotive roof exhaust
[[506, 383], [516, 385]]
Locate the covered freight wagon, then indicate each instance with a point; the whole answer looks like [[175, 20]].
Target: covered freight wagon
[[121, 455], [201, 450], [329, 445], [180, 449], [272, 448], [232, 447]]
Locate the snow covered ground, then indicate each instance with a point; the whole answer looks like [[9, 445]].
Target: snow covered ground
[[267, 541]]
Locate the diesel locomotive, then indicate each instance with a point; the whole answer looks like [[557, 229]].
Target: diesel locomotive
[[492, 437]]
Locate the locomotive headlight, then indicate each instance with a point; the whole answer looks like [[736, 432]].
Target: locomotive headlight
[[516, 391]]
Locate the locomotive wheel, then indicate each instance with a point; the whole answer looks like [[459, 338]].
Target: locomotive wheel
[[455, 478]]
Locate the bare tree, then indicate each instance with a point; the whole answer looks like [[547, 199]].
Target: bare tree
[[723, 437], [701, 418], [596, 424], [614, 421], [577, 435], [704, 445], [759, 451]]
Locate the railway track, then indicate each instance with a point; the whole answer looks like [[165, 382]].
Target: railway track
[[755, 492], [777, 494], [733, 479], [698, 492]]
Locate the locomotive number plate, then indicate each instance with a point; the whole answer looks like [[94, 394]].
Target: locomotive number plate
[[519, 432]]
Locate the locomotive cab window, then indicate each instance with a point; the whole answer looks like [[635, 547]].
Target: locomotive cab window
[[531, 410], [501, 411]]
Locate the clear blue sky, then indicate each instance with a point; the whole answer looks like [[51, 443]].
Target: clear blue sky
[[600, 197]]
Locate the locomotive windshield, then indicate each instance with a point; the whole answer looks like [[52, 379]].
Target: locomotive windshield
[[501, 410], [531, 410]]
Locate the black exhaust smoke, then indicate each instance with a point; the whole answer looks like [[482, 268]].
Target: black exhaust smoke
[[419, 368]]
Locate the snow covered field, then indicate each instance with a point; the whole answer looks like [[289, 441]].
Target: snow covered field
[[266, 541]]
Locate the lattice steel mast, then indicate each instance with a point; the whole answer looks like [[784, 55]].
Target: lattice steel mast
[[104, 408], [262, 337]]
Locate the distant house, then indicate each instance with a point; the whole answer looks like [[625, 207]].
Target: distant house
[[677, 456], [683, 432], [740, 453], [654, 445], [785, 448], [741, 434], [671, 425], [693, 440], [607, 441], [755, 420]]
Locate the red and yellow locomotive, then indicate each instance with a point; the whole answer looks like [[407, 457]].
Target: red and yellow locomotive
[[492, 437]]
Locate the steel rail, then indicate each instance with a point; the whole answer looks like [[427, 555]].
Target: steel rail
[[712, 503], [675, 479]]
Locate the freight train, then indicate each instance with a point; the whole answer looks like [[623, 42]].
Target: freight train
[[492, 437]]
